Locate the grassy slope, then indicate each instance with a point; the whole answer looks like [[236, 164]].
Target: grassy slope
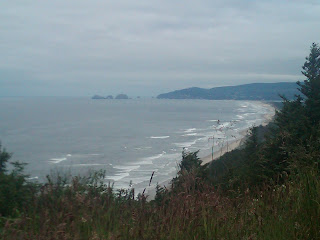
[[197, 211]]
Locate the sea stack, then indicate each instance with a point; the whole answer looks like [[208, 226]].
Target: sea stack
[[122, 96]]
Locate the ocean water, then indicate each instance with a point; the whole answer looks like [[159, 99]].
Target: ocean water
[[129, 139]]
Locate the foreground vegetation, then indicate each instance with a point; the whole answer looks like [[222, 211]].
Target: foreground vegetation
[[269, 189]]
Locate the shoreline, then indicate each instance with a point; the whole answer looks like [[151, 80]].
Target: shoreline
[[226, 148], [232, 145], [268, 117]]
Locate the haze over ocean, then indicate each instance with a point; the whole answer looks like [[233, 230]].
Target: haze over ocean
[[129, 139]]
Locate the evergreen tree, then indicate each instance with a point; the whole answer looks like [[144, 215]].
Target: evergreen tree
[[4, 158], [310, 88], [189, 161], [16, 193]]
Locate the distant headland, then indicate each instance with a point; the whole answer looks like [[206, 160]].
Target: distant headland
[[253, 91]]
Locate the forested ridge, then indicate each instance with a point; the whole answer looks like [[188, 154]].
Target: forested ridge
[[252, 91], [267, 189]]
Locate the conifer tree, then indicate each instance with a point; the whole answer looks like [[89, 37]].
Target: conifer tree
[[310, 88], [4, 158]]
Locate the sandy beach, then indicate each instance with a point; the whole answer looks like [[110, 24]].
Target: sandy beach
[[226, 148], [238, 142]]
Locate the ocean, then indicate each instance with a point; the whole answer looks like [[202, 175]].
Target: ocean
[[129, 139]]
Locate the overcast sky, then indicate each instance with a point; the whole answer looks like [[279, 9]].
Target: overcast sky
[[146, 47]]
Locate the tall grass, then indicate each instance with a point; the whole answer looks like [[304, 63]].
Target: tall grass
[[195, 210]]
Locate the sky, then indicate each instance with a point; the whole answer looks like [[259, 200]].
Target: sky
[[148, 47]]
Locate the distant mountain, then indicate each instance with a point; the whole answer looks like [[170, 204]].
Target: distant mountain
[[253, 91]]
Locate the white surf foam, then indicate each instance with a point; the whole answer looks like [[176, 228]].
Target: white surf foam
[[186, 144], [128, 168], [190, 130], [142, 148], [240, 117], [57, 160], [119, 176], [223, 125], [189, 134], [124, 172], [89, 164], [149, 160], [159, 137], [157, 156], [33, 178]]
